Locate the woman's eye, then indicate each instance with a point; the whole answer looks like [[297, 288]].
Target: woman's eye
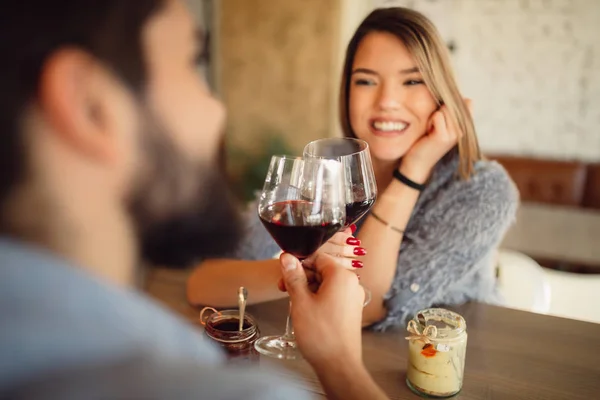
[[364, 82], [412, 82]]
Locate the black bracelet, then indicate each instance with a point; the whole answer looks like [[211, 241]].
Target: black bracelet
[[417, 186]]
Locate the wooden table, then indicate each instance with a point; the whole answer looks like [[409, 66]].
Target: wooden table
[[510, 355]]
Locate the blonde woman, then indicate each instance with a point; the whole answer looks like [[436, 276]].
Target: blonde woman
[[442, 209]]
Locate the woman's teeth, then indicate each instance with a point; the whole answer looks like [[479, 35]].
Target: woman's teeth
[[389, 126]]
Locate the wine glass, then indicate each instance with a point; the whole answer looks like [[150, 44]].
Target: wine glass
[[361, 187], [302, 206]]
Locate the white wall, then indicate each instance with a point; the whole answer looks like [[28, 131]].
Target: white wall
[[532, 68]]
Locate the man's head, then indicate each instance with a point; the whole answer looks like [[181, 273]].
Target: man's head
[[105, 95]]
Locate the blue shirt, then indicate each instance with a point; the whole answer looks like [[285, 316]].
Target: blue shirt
[[58, 322]]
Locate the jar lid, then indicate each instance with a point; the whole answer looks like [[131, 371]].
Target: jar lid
[[438, 324]]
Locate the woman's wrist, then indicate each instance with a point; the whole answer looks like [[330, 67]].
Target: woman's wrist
[[415, 172]]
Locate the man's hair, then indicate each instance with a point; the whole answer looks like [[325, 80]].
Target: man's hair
[[32, 30]]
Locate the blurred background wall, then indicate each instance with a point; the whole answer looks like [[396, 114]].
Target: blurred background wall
[[276, 59]]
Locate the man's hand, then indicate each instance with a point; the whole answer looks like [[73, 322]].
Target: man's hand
[[327, 323]]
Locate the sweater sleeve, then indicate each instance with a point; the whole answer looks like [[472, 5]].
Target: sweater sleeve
[[257, 243], [465, 222]]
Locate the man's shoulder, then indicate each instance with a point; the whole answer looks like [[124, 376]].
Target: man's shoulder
[[55, 316]]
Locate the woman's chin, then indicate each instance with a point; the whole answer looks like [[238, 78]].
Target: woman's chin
[[387, 154]]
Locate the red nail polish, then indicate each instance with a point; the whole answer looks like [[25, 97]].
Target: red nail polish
[[353, 241], [357, 264], [353, 228], [359, 251]]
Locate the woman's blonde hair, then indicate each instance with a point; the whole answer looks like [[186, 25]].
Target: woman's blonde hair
[[423, 41]]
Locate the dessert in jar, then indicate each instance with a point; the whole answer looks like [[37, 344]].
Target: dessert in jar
[[436, 352]]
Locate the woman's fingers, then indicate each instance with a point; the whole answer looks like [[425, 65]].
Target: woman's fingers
[[452, 129], [447, 131], [348, 263], [345, 255], [343, 245], [439, 128], [350, 251], [343, 238]]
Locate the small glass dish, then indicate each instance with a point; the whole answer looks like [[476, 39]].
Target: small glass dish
[[222, 327]]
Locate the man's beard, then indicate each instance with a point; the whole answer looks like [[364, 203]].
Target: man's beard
[[182, 211]]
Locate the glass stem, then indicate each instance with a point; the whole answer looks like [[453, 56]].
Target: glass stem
[[289, 328]]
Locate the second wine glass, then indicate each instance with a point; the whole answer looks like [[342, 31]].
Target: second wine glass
[[302, 206], [360, 189]]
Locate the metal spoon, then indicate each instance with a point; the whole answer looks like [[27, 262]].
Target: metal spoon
[[242, 297]]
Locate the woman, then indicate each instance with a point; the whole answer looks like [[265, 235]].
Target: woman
[[442, 209]]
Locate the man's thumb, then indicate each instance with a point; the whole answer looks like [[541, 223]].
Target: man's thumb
[[294, 276]]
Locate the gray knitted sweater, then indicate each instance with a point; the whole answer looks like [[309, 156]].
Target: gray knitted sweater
[[448, 250]]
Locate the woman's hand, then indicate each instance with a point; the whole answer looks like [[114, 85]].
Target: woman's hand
[[441, 137], [343, 248]]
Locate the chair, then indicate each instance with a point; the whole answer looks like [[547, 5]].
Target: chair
[[548, 181], [522, 282], [575, 296]]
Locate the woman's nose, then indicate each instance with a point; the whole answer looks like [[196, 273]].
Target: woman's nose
[[389, 97]]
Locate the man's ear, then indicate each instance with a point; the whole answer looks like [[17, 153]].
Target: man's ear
[[75, 92]]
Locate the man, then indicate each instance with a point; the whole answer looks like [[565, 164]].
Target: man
[[109, 141]]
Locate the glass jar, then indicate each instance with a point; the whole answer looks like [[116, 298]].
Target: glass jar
[[222, 327], [436, 353]]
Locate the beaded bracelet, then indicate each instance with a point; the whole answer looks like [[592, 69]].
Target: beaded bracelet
[[392, 227]]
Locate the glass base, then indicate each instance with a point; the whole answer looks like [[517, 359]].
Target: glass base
[[420, 392], [278, 347]]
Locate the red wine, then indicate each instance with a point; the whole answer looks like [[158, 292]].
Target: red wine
[[354, 211], [296, 229], [231, 325]]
